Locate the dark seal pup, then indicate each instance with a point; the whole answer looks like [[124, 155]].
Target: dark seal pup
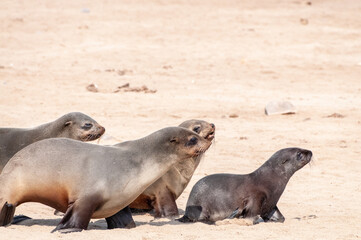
[[162, 194], [221, 196], [73, 125], [91, 181]]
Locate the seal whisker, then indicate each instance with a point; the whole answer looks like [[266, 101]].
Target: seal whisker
[[89, 137], [313, 161], [213, 141]]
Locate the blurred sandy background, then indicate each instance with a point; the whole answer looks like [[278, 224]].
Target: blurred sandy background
[[221, 61]]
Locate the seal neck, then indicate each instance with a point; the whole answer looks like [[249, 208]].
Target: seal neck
[[271, 177], [186, 168], [46, 130]]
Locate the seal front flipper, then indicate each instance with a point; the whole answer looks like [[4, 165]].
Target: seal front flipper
[[275, 216], [136, 210], [164, 204], [237, 213], [192, 214], [20, 218], [122, 219], [244, 210], [7, 214], [257, 219], [234, 214], [184, 219], [78, 214]]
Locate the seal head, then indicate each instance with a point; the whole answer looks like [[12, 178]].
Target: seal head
[[75, 125], [203, 128], [80, 127], [161, 195]]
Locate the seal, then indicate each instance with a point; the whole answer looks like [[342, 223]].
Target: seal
[[91, 181], [255, 195], [73, 125], [162, 194]]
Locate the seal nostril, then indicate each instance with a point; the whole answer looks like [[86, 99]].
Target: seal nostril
[[212, 125]]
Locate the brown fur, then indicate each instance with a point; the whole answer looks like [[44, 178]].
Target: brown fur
[[162, 194], [92, 181]]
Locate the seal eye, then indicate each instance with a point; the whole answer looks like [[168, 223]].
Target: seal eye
[[192, 141], [197, 129], [299, 155], [87, 126]]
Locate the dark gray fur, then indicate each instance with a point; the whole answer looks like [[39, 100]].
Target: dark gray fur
[[221, 196]]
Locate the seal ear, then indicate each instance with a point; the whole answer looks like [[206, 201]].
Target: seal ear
[[68, 123], [174, 140], [285, 160]]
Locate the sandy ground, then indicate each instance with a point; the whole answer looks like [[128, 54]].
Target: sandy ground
[[207, 60]]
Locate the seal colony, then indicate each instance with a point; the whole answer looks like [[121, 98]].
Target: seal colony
[[162, 194], [47, 164], [90, 181], [253, 195], [73, 125]]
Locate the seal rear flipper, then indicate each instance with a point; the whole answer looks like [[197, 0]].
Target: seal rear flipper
[[7, 214], [122, 219], [19, 218]]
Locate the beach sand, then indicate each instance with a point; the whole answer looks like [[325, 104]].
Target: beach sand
[[220, 61]]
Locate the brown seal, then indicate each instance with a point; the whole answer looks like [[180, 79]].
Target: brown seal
[[91, 181], [73, 125], [221, 196], [162, 194]]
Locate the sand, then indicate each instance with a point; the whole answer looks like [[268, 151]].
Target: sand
[[221, 61]]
